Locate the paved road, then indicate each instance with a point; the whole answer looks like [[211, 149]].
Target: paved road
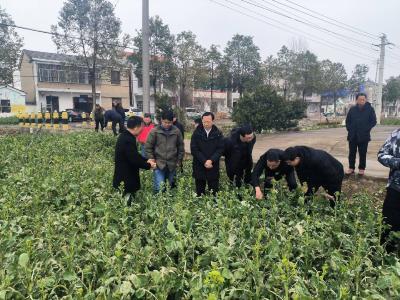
[[332, 140]]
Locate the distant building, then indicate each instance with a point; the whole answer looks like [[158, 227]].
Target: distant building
[[12, 100]]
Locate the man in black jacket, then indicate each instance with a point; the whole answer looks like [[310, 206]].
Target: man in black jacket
[[359, 122], [238, 154], [206, 146], [128, 161], [316, 168], [273, 165]]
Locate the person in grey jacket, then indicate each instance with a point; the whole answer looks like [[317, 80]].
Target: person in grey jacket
[[165, 147], [389, 156]]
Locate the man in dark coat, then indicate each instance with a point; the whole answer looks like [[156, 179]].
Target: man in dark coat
[[273, 165], [316, 168], [238, 154], [359, 122], [114, 117], [128, 161], [206, 146], [99, 117]]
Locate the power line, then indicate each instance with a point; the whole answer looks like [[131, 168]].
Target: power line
[[360, 42], [315, 26], [307, 35], [351, 28], [347, 27], [63, 35]]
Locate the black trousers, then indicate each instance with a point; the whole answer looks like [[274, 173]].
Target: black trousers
[[237, 179], [213, 185], [101, 122], [331, 189], [391, 217], [362, 153]]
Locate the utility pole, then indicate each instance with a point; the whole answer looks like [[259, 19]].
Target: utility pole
[[378, 107], [146, 56], [212, 86]]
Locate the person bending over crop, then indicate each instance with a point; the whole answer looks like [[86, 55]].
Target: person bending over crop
[[316, 168], [127, 159], [238, 154], [114, 117], [273, 165]]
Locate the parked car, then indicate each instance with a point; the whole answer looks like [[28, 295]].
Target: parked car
[[192, 113], [73, 115], [132, 111]]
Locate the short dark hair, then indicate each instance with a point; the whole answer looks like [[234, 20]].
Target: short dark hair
[[273, 155], [245, 130], [290, 154], [197, 121], [361, 94], [208, 113], [167, 115], [134, 122], [147, 115]]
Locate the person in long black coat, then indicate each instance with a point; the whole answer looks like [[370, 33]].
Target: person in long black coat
[[359, 122], [238, 154], [114, 117], [127, 160], [318, 169], [273, 165], [207, 146]]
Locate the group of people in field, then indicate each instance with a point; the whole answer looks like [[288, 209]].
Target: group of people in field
[[144, 145]]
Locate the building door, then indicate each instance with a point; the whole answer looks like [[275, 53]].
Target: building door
[[52, 103]]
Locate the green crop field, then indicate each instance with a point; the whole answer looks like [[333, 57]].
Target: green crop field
[[66, 234]]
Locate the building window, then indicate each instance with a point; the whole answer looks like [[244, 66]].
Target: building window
[[115, 77], [5, 106], [116, 101], [64, 74], [140, 105]]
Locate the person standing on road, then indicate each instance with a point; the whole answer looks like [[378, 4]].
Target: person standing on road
[[207, 147], [99, 117], [272, 164], [389, 156], [142, 138], [360, 120], [238, 155], [165, 147], [316, 168], [128, 161], [114, 117]]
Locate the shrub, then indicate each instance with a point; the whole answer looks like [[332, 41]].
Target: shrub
[[9, 120], [265, 109]]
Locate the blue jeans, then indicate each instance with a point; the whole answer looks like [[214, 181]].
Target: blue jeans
[[143, 150], [162, 176]]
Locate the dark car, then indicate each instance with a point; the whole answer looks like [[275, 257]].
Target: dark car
[[74, 116]]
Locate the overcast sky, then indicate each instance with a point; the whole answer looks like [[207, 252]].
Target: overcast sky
[[214, 24]]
